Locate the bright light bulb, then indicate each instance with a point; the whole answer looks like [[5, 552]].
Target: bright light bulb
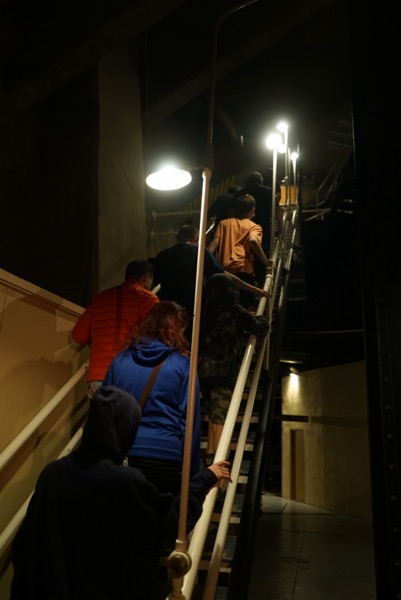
[[282, 126], [273, 141], [294, 155], [169, 178]]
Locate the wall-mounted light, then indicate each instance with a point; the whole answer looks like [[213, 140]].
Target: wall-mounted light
[[295, 373], [169, 177]]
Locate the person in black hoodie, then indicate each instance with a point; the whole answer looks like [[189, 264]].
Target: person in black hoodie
[[223, 325], [94, 527]]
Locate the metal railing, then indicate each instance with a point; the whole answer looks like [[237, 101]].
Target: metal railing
[[281, 256], [281, 260], [14, 446]]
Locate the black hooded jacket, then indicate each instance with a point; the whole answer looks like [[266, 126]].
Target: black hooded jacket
[[94, 527]]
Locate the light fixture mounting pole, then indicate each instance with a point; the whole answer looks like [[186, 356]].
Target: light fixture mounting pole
[[181, 542]]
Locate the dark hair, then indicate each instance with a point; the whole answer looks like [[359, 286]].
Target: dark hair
[[187, 233], [268, 180], [244, 204], [254, 178], [137, 269], [166, 321], [220, 291]]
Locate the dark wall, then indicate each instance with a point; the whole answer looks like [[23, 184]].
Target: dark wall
[[48, 228], [377, 159]]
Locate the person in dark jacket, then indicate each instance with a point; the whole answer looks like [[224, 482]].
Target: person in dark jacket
[[175, 269], [223, 325], [159, 445], [94, 528]]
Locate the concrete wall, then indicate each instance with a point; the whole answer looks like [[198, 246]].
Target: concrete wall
[[122, 230], [72, 200], [73, 213], [325, 454]]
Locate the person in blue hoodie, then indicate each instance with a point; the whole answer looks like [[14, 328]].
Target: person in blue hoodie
[[159, 445], [94, 528]]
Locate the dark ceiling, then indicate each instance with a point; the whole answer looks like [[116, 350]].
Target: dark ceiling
[[274, 60], [286, 60]]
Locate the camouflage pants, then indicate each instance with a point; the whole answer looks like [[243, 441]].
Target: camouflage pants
[[217, 402]]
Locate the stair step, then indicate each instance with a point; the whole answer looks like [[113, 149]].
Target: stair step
[[228, 554]]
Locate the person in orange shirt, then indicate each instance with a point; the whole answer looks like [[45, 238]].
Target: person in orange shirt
[[237, 241], [110, 318], [261, 188]]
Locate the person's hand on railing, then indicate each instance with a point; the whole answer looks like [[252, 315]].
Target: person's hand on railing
[[243, 285], [210, 224], [264, 294], [221, 470]]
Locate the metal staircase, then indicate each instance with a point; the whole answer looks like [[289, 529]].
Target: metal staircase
[[220, 545]]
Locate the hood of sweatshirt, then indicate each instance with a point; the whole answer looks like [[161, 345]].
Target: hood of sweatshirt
[[111, 426], [149, 352]]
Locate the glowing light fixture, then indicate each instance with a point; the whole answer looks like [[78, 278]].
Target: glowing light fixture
[[282, 126], [273, 141], [169, 178]]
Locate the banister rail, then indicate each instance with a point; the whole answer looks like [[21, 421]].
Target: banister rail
[[13, 447], [8, 532], [282, 257], [242, 559]]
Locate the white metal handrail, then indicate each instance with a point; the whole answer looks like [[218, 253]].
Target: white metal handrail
[[280, 258], [221, 536], [13, 447], [201, 529], [8, 533], [10, 451]]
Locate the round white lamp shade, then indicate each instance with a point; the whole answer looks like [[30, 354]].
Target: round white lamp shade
[[169, 178]]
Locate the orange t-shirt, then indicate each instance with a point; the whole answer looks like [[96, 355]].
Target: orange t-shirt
[[108, 321], [234, 251]]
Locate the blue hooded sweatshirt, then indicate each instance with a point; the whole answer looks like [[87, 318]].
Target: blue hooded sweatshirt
[[161, 432]]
